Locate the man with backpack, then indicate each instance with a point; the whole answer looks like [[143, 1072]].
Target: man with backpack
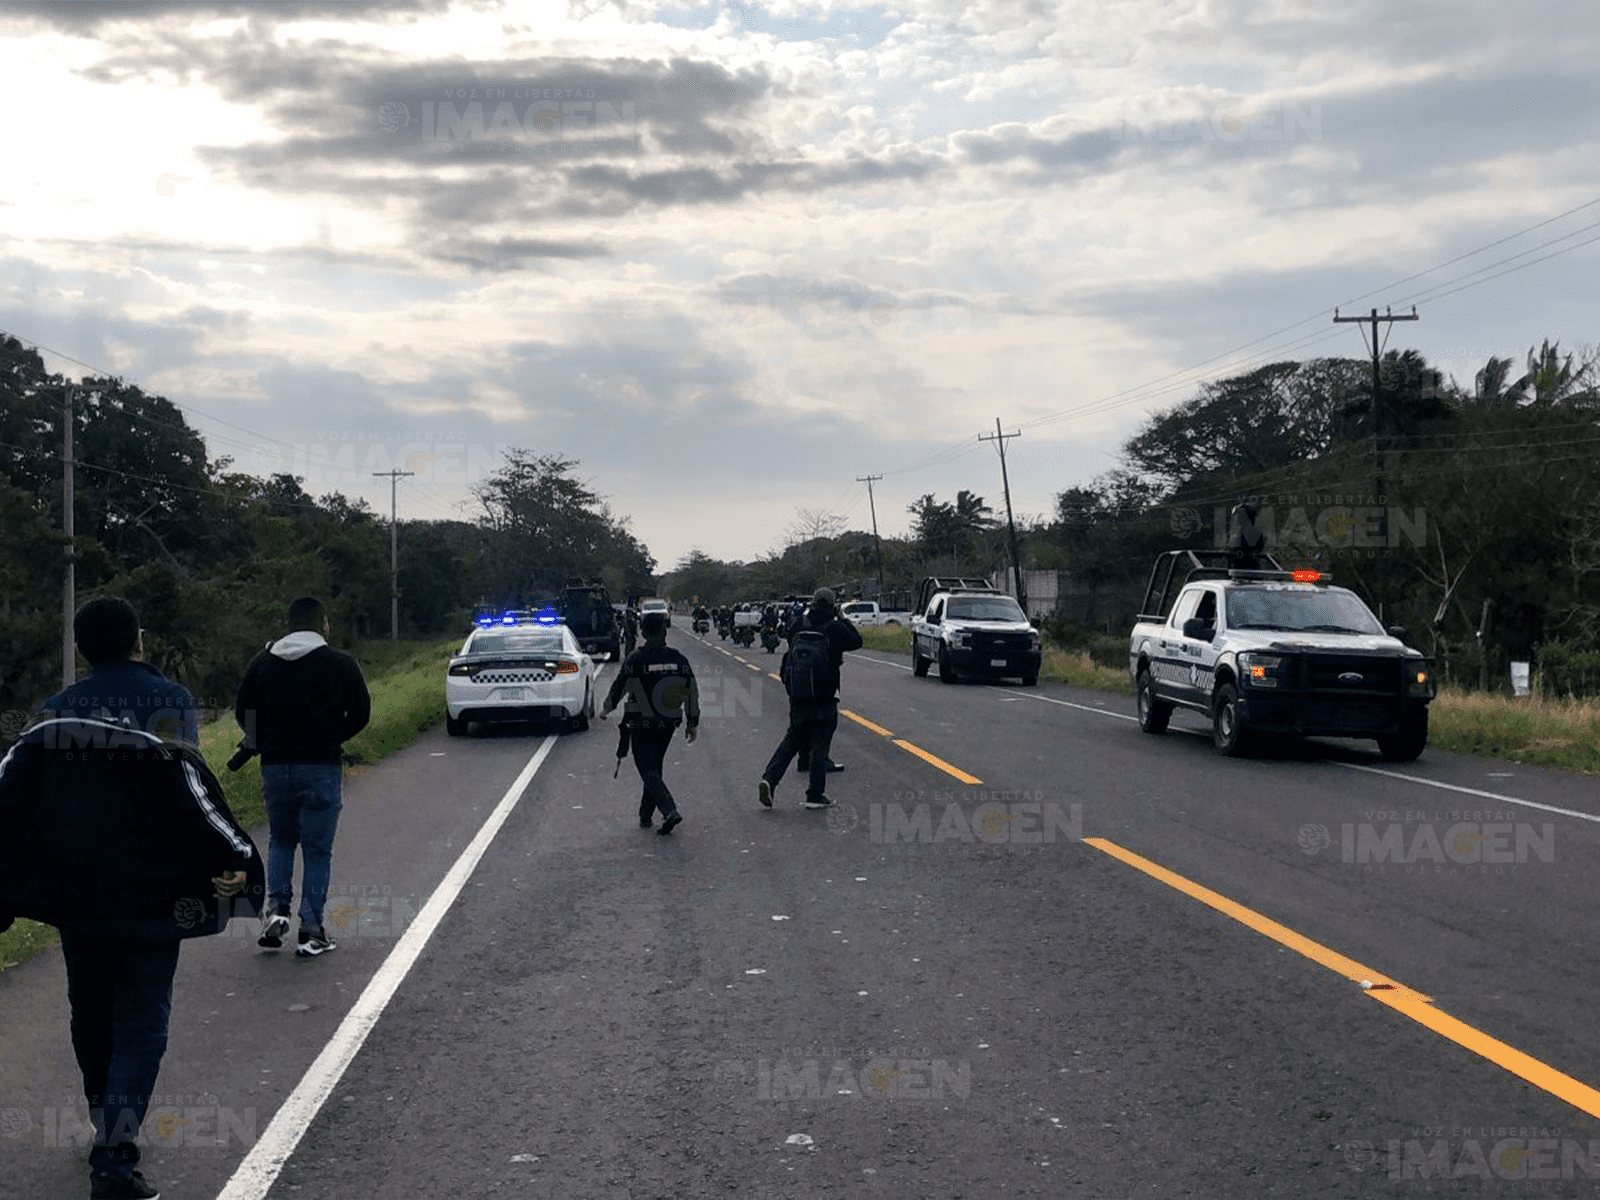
[[810, 674]]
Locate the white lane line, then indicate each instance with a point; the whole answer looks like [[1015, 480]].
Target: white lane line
[[1456, 787], [267, 1157]]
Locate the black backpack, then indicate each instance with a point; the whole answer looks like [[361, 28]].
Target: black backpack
[[809, 674]]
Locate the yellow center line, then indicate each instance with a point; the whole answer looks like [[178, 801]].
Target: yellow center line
[[1404, 1000], [862, 721], [957, 772]]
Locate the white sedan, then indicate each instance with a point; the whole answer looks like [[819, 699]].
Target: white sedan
[[518, 673]]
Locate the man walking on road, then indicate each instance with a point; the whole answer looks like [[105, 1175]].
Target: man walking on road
[[810, 674], [114, 830], [300, 701], [659, 686]]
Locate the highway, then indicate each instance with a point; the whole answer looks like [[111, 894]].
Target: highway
[[1031, 952]]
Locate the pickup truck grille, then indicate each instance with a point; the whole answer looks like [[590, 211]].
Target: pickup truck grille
[[1352, 674], [1001, 643]]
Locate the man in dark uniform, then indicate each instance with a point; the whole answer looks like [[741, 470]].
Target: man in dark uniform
[[630, 628], [659, 687], [811, 725]]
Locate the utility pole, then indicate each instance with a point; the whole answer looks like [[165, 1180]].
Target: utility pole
[[999, 439], [1378, 443], [394, 555], [878, 544], [69, 591]]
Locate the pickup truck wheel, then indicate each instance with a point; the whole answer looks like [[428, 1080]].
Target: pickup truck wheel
[[919, 665], [1409, 742], [1228, 733], [1154, 713], [947, 672]]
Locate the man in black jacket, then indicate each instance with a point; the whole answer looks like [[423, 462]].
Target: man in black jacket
[[659, 686], [811, 722], [300, 701], [114, 830]]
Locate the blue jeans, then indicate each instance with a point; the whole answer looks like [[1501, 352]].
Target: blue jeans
[[120, 991], [303, 803]]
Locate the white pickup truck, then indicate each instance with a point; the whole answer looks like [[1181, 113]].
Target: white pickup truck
[[968, 629], [1262, 650], [869, 612]]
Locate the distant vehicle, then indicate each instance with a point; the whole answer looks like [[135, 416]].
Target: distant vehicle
[[869, 612], [646, 607], [586, 609], [968, 628], [519, 673], [1258, 650]]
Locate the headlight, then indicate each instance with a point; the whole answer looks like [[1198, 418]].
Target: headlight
[[1419, 680], [1260, 670], [1035, 642], [960, 639]]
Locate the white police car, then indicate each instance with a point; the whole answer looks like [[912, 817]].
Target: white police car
[[519, 670]]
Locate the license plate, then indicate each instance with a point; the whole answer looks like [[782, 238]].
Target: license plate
[[997, 662], [509, 694]]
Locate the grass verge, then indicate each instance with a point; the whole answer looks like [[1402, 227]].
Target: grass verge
[[406, 680]]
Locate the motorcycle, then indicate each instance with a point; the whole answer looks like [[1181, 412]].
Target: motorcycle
[[744, 635], [769, 638], [702, 625]]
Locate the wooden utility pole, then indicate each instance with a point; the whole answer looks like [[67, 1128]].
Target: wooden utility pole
[[872, 506], [999, 439], [1378, 443], [394, 554], [69, 591]]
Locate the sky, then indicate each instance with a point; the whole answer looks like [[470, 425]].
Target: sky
[[731, 258]]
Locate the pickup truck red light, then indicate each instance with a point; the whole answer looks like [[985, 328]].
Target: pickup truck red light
[[1307, 576]]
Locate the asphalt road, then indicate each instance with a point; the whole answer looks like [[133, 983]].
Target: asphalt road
[[1031, 952]]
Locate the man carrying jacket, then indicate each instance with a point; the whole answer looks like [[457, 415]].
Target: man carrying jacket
[[114, 830], [811, 722], [300, 701]]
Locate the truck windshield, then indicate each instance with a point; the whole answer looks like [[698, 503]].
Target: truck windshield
[[984, 608], [1322, 610]]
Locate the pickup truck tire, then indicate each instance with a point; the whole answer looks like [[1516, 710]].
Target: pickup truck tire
[[947, 671], [1228, 734], [919, 665], [1409, 742], [1153, 713]]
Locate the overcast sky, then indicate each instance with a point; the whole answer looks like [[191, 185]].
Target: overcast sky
[[729, 257]]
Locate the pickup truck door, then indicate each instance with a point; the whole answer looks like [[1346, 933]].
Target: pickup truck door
[[927, 635], [1178, 675], [1199, 655]]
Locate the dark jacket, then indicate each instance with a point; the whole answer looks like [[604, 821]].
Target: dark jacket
[[301, 700], [107, 829], [841, 634], [130, 692], [658, 686]]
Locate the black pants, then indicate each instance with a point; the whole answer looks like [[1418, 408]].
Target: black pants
[[120, 991], [810, 734], [649, 743]]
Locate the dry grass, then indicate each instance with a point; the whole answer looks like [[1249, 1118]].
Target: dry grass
[[1524, 729]]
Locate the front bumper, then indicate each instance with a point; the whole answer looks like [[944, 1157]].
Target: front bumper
[[999, 662], [1333, 695]]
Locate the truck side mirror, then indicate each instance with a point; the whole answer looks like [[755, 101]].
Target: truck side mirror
[[1198, 628], [1397, 631]]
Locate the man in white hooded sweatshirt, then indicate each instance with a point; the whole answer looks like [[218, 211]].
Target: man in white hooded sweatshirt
[[300, 701]]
